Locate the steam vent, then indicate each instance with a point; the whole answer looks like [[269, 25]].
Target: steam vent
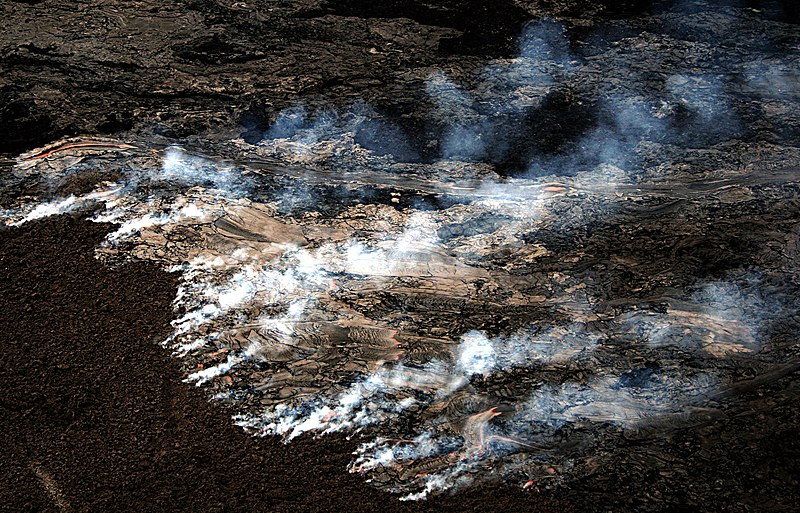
[[400, 256]]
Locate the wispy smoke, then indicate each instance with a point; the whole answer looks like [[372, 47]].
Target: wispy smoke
[[424, 306], [349, 139], [35, 211], [277, 314], [719, 319], [178, 166]]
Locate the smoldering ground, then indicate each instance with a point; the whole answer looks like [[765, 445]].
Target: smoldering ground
[[511, 328]]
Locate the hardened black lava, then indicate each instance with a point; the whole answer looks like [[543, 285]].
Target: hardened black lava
[[98, 418], [662, 136]]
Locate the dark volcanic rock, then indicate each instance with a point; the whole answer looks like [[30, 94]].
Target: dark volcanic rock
[[97, 418], [186, 68], [606, 191]]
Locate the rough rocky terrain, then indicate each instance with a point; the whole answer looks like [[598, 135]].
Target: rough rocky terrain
[[543, 260]]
